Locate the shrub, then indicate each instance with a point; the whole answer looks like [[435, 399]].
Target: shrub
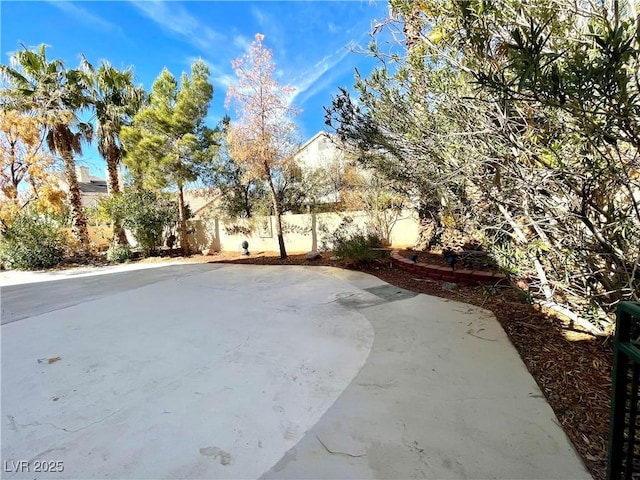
[[146, 214], [358, 248], [119, 253], [350, 243], [31, 242]]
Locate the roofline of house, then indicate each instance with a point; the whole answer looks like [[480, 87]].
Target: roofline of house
[[321, 133]]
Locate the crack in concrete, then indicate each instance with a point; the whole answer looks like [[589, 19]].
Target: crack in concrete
[[41, 424], [414, 447], [469, 332], [42, 454], [12, 423], [377, 385], [339, 453]]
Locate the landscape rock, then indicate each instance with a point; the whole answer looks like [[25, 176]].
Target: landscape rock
[[313, 255], [449, 286]]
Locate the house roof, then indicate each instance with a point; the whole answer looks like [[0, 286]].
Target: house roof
[[318, 151], [94, 186], [318, 135], [321, 135]]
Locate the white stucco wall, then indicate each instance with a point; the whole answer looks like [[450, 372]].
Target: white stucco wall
[[302, 233]]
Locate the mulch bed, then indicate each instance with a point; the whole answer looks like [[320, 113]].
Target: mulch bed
[[473, 260], [572, 368]]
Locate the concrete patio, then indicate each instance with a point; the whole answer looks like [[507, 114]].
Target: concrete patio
[[237, 371]]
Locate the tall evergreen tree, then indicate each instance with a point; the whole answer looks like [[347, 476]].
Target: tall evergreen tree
[[168, 141]]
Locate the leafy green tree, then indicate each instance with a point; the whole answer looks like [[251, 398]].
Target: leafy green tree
[[541, 161], [115, 100], [238, 196], [55, 94], [294, 189], [575, 80], [168, 143], [243, 196], [238, 193]]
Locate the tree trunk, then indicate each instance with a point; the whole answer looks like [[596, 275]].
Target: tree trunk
[[112, 169], [247, 205], [522, 240], [79, 221], [113, 158], [184, 239], [276, 211], [412, 28], [549, 301]]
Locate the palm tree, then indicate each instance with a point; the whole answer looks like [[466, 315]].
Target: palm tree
[[116, 100], [55, 94]]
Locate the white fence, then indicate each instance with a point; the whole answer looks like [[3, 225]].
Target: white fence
[[302, 233]]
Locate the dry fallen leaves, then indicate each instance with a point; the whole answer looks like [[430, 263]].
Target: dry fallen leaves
[[49, 360]]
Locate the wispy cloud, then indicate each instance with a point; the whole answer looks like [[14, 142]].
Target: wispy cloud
[[318, 77], [83, 15], [271, 27], [219, 76], [241, 42], [174, 18], [260, 16]]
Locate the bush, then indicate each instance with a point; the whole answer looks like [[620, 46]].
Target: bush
[[31, 242], [349, 242], [146, 214], [119, 253], [359, 248]]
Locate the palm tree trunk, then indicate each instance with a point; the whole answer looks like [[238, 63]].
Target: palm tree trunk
[[276, 211], [79, 221], [119, 237], [184, 239]]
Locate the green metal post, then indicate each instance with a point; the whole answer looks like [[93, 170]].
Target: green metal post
[[626, 354]]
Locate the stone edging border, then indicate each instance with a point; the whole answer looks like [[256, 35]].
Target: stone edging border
[[445, 274]]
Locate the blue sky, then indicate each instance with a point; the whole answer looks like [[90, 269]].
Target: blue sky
[[310, 41]]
